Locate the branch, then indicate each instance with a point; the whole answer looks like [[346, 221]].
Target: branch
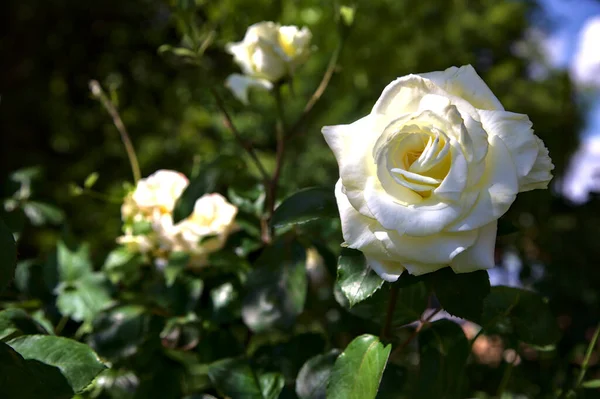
[[244, 144], [99, 94]]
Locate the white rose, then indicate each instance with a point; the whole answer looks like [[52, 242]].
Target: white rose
[[268, 53], [155, 195], [207, 228], [152, 202], [425, 176]]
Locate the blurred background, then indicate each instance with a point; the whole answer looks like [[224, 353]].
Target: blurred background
[[541, 58]]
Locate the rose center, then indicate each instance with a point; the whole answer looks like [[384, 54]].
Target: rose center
[[419, 160]]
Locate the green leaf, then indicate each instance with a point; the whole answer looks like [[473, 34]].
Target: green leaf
[[288, 356], [39, 213], [8, 256], [73, 265], [122, 266], [314, 375], [443, 349], [176, 264], [117, 383], [223, 169], [181, 332], [14, 322], [235, 378], [304, 206], [29, 379], [218, 344], [76, 361], [355, 277], [276, 287], [120, 333], [461, 295], [411, 302], [347, 14], [521, 313], [83, 298], [358, 370], [591, 384], [91, 180], [178, 55]]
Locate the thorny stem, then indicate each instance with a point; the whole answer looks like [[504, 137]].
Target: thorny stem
[[387, 326], [244, 144], [414, 334], [99, 94]]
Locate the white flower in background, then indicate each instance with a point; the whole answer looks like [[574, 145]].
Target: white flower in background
[[151, 205], [207, 228], [155, 195], [268, 53], [425, 176]]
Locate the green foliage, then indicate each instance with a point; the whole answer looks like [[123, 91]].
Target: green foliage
[[508, 311], [15, 322], [218, 172], [82, 299], [460, 295], [409, 302], [61, 366], [444, 350], [314, 376], [304, 206], [355, 278], [358, 370], [276, 287], [235, 378]]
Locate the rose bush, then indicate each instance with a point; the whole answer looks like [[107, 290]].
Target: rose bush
[[268, 53], [425, 176]]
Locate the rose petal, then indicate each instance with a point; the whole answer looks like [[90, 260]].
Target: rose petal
[[496, 192], [481, 254], [539, 176], [358, 230], [465, 83], [417, 220], [350, 145], [239, 85], [387, 270], [434, 249], [515, 131]]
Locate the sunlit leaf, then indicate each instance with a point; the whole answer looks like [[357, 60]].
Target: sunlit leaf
[[355, 278], [75, 361], [358, 370]]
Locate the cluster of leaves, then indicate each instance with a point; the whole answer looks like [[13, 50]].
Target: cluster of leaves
[[247, 327]]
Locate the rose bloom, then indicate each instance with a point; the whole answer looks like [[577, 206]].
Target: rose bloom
[[268, 53], [425, 176], [206, 229], [153, 200], [154, 195]]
